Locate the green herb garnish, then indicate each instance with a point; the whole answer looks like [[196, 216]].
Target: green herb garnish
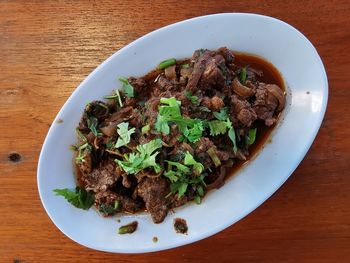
[[143, 157], [127, 88], [92, 123], [250, 139], [217, 127], [212, 153], [197, 166], [80, 198], [185, 175], [80, 135], [222, 115], [124, 134], [185, 65], [170, 112], [232, 136], [109, 209], [167, 63], [115, 97], [192, 98], [82, 151], [243, 75]]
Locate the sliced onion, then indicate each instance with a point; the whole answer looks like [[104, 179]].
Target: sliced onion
[[278, 93], [241, 90]]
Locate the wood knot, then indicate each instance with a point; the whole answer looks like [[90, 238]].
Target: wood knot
[[15, 157]]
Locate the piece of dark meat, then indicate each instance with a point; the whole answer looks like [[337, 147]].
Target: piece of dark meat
[[212, 77], [242, 111], [153, 191], [151, 110], [227, 54], [269, 99], [101, 178], [198, 70], [215, 103], [121, 115], [127, 204]]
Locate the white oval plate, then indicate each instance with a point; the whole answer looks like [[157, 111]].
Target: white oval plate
[[276, 41]]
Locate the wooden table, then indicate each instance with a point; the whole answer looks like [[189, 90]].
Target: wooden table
[[48, 47]]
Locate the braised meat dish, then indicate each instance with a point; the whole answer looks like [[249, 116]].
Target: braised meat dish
[[167, 138]]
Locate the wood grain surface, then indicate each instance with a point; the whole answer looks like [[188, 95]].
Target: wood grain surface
[[48, 47]]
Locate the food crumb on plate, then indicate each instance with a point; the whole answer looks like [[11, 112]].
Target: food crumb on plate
[[180, 226]]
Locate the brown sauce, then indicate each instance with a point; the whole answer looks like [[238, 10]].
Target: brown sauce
[[270, 75]]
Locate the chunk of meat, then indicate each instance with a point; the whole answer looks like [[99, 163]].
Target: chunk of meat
[[153, 192], [139, 84], [198, 70], [269, 97], [243, 111], [164, 84], [151, 110], [242, 90], [227, 54], [121, 115], [127, 204], [102, 178], [215, 103], [212, 76], [170, 72]]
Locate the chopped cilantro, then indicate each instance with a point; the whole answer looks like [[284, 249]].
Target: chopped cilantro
[[232, 135], [222, 115], [124, 134], [92, 123], [182, 177], [127, 88], [192, 98], [170, 112], [197, 166], [217, 127], [143, 157]]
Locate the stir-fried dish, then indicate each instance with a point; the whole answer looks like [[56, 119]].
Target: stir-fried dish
[[169, 137]]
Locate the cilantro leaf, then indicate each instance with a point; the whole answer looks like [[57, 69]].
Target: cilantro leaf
[[192, 98], [195, 133], [250, 139], [128, 89], [167, 112], [144, 157], [124, 134], [197, 166], [92, 123], [80, 198], [232, 135], [222, 115], [192, 129], [181, 178], [115, 97], [217, 127], [180, 167]]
